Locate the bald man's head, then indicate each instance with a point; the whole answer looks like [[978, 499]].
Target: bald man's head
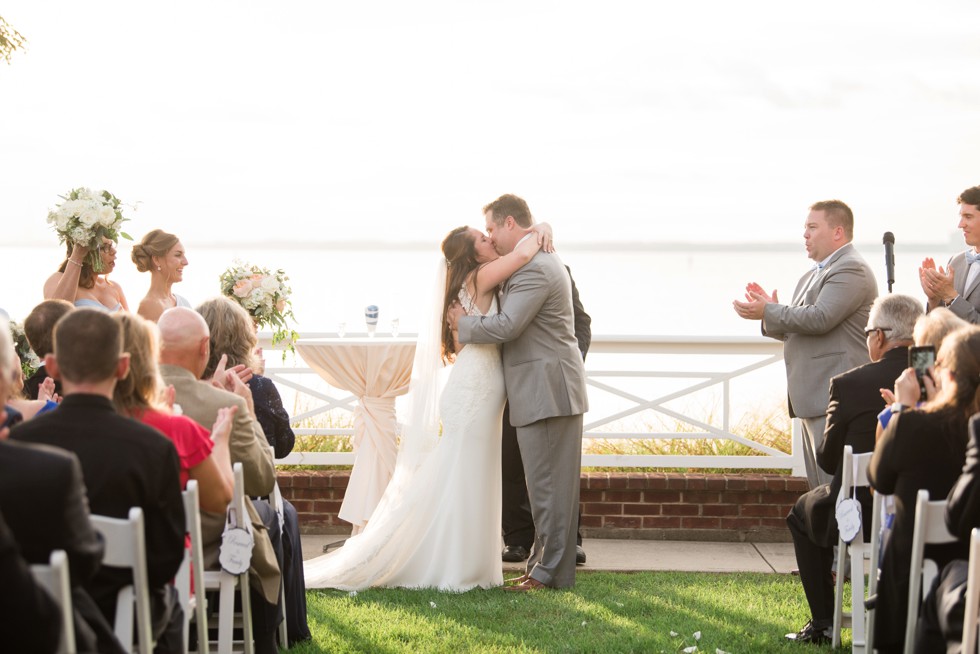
[[184, 339]]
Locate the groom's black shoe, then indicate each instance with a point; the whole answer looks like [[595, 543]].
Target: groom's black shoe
[[579, 555], [514, 553]]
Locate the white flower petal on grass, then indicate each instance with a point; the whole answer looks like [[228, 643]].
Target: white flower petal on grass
[[720, 651], [690, 650], [618, 603], [584, 623], [697, 635], [674, 634], [432, 604], [353, 593]]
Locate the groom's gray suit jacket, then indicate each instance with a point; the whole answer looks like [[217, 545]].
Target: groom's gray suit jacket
[[823, 328], [543, 369], [967, 302]]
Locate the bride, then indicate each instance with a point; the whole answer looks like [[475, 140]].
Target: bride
[[438, 523]]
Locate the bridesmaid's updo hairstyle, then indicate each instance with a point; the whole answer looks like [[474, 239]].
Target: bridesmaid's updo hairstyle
[[155, 244], [460, 252]]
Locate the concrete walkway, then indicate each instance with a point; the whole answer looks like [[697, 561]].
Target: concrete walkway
[[633, 555]]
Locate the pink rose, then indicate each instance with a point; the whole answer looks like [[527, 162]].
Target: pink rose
[[281, 305], [243, 288]]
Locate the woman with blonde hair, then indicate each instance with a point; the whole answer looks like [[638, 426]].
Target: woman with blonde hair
[[204, 456], [233, 336], [162, 255]]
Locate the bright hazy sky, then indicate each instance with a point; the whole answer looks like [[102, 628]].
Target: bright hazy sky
[[646, 121]]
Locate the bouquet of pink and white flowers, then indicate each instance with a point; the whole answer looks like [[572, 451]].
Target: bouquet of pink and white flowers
[[265, 296], [86, 217]]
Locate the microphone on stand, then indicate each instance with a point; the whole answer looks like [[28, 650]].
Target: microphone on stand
[[889, 240]]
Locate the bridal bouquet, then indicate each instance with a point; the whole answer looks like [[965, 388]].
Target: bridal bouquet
[[29, 362], [85, 217], [265, 296]]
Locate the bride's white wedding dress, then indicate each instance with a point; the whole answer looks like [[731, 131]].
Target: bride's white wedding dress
[[437, 526]]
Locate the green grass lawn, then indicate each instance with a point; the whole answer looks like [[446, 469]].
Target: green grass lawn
[[606, 612]]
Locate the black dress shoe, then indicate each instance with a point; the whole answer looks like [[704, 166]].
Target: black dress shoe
[[810, 633], [579, 555], [515, 553]]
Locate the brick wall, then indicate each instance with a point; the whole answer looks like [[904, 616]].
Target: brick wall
[[659, 506]]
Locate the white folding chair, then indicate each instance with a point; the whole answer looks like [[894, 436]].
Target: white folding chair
[[54, 578], [930, 528], [276, 499], [194, 604], [877, 510], [971, 616], [125, 547], [226, 584], [854, 475]]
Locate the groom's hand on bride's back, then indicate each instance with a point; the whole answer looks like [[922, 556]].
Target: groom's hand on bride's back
[[453, 315]]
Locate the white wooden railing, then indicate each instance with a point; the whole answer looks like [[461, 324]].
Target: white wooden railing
[[685, 380]]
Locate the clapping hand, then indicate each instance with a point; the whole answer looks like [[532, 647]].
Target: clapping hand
[[756, 299], [223, 423], [936, 283], [46, 392], [231, 380]]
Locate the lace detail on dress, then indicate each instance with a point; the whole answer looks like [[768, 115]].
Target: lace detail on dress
[[469, 304]]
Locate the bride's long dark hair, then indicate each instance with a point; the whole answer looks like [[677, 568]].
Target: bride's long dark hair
[[459, 249]]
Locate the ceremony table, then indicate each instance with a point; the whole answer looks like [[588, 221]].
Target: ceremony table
[[376, 370]]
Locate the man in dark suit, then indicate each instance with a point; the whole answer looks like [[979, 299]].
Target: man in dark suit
[[516, 521], [124, 462], [39, 330], [855, 401]]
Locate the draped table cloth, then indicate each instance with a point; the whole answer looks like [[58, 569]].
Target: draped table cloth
[[376, 370]]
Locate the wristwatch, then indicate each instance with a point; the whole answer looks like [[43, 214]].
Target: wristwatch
[[898, 407], [953, 299]]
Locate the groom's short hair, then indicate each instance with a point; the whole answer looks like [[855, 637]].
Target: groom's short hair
[[510, 205]]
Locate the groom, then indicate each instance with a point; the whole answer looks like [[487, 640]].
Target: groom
[[545, 382]]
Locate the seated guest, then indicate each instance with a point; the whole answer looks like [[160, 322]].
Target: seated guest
[[955, 286], [851, 417], [52, 479], [184, 352], [77, 282], [39, 330], [162, 255], [922, 448], [233, 336], [31, 618], [203, 456], [940, 625], [124, 462]]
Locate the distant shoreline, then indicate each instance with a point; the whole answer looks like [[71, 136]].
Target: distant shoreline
[[935, 248]]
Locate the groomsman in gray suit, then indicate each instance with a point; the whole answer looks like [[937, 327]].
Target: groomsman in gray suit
[[958, 286], [822, 329], [545, 382]]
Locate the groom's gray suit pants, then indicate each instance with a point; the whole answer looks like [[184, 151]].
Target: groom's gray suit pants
[[552, 453]]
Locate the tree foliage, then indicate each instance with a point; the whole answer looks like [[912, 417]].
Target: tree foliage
[[10, 41]]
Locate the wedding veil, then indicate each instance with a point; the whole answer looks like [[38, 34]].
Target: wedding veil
[[420, 433]]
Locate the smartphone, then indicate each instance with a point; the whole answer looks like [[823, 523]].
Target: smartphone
[[921, 357]]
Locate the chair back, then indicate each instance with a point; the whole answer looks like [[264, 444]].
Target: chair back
[[55, 579], [854, 474], [277, 504], [930, 528], [193, 602], [971, 616], [125, 547]]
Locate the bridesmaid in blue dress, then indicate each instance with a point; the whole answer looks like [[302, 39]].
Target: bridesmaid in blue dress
[[78, 283], [163, 256]]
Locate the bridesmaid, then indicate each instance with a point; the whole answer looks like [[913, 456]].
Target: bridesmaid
[[162, 255], [77, 282]]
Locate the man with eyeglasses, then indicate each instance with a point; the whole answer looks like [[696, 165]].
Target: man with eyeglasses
[[822, 327], [957, 287], [852, 415]]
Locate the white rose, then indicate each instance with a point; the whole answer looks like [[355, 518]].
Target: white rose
[[80, 235], [61, 222], [107, 215], [90, 215], [270, 284], [85, 194]]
